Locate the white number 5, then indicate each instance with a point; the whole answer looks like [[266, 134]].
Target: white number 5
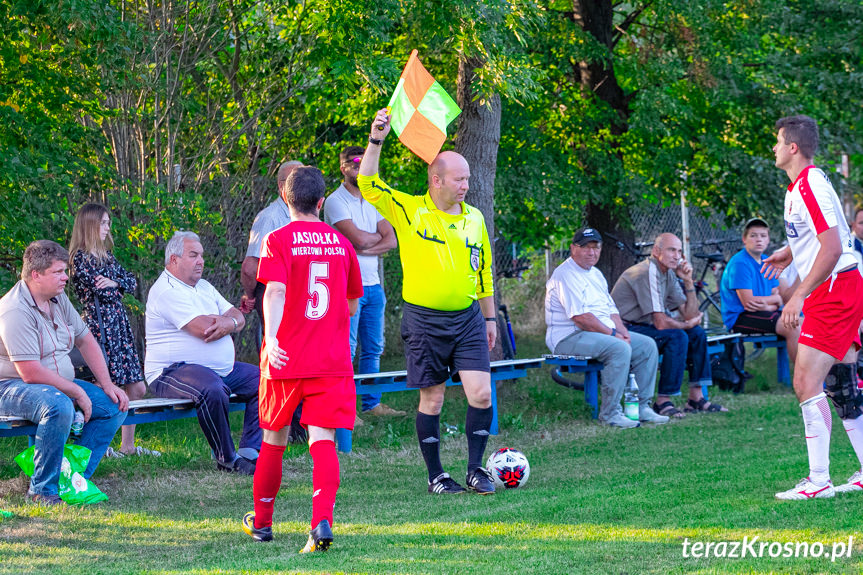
[[319, 295]]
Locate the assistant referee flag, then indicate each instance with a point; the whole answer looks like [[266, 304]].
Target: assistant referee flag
[[420, 110]]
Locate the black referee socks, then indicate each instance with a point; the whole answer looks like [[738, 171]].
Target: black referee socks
[[477, 428], [428, 433]]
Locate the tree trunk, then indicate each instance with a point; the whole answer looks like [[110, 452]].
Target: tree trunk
[[478, 139], [597, 77]]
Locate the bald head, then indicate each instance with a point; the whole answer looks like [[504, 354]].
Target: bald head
[[448, 181], [667, 250], [446, 162], [285, 170], [665, 239]]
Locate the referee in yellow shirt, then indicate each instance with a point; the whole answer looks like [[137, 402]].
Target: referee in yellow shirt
[[448, 322]]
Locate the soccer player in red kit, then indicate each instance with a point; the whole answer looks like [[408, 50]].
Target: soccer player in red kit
[[313, 284], [830, 295]]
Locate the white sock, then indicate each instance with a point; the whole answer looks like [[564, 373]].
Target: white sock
[[854, 428], [817, 421]]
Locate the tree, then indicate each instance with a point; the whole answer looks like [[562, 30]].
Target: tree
[[640, 94]]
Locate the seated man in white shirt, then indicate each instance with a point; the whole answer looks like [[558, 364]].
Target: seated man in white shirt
[[190, 353], [583, 320]]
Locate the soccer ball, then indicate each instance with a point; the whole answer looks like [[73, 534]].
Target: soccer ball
[[508, 467]]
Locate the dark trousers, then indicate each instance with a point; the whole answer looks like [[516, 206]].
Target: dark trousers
[[210, 392], [680, 349]]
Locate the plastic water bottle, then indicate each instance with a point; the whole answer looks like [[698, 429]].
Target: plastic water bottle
[[705, 321], [78, 423], [630, 398]]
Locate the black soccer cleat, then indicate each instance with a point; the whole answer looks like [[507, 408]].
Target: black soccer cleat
[[263, 534], [320, 538], [479, 480], [240, 465], [443, 483]]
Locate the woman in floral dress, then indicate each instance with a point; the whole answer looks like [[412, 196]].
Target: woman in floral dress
[[100, 282]]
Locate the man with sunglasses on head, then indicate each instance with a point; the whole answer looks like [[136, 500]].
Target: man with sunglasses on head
[[371, 235]]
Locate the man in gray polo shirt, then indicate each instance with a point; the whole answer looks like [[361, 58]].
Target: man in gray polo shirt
[[38, 327], [371, 235], [581, 319], [652, 303], [271, 218]]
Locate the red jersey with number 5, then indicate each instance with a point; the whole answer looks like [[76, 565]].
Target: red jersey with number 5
[[320, 271]]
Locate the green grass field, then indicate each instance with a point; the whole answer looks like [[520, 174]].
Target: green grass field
[[599, 500]]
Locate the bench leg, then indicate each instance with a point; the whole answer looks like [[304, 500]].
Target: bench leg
[[591, 391], [494, 429], [343, 440], [783, 369]]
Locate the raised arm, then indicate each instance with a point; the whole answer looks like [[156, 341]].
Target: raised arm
[[380, 129]]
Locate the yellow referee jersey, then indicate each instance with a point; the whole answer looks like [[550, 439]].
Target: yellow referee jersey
[[446, 258]]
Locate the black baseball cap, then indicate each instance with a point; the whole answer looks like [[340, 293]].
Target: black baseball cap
[[755, 222], [585, 236]]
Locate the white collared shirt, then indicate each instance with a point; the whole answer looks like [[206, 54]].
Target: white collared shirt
[[171, 304], [570, 291]]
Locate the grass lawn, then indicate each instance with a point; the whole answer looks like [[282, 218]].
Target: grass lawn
[[598, 500]]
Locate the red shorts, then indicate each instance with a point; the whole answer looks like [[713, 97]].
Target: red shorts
[[328, 402], [831, 317]]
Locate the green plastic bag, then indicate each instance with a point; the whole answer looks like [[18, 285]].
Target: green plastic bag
[[74, 489]]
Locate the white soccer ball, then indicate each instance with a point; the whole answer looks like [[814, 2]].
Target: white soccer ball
[[508, 467]]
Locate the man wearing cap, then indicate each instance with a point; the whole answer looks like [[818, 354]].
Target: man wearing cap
[[581, 319], [652, 303], [751, 303]]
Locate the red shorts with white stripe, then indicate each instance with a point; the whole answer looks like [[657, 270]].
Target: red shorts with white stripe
[[832, 314], [328, 402]]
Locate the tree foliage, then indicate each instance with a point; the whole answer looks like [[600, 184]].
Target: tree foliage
[[177, 114]]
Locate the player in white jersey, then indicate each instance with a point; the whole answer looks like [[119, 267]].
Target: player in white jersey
[[830, 295]]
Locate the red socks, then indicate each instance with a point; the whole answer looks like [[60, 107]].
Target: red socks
[[268, 479], [325, 481]]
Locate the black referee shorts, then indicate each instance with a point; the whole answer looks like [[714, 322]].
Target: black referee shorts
[[440, 343]]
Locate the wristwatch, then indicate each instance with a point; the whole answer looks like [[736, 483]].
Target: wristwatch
[[375, 141]]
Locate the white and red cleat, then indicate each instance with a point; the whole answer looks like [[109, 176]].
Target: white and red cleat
[[808, 490], [855, 483]]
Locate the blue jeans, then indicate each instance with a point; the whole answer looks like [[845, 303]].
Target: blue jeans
[[211, 392], [52, 411], [367, 325], [680, 349]]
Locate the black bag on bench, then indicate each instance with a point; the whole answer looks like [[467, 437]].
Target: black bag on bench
[[727, 367]]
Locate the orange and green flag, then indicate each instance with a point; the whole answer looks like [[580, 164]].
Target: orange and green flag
[[420, 110]]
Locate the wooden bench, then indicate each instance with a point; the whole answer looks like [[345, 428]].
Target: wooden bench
[[140, 411], [581, 364], [159, 409], [389, 381]]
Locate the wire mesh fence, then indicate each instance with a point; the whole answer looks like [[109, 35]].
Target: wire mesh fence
[[522, 273]]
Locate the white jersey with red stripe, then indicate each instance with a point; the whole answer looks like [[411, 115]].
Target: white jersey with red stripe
[[812, 207]]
